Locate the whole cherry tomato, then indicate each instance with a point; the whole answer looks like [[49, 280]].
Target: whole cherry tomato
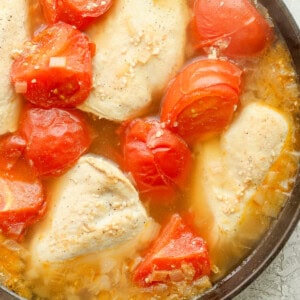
[[158, 160], [201, 100], [55, 139], [55, 68], [234, 26]]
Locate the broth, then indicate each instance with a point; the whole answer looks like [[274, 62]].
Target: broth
[[269, 78]]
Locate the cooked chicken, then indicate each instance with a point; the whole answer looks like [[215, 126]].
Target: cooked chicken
[[93, 207], [228, 175], [13, 23], [140, 46]]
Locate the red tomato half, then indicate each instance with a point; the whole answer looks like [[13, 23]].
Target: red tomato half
[[55, 68], [201, 100], [235, 26], [22, 200], [55, 139], [175, 250], [158, 160], [80, 13]]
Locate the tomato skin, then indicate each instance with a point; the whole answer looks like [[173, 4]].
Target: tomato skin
[[80, 13], [158, 160], [49, 84], [176, 245], [22, 201], [55, 139], [49, 9], [201, 100], [234, 26]]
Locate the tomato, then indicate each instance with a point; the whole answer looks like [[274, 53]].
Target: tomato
[[177, 250], [234, 26], [55, 139], [12, 147], [55, 68], [22, 201], [201, 100], [158, 160], [80, 13]]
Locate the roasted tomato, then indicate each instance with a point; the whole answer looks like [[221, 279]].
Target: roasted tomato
[[158, 160], [55, 139], [201, 100], [177, 254], [233, 26], [55, 68], [80, 13], [22, 201]]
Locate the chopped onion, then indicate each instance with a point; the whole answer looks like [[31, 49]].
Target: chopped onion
[[135, 263], [150, 232], [58, 62], [73, 297], [159, 276], [102, 283], [203, 282], [215, 269], [160, 288], [12, 245], [176, 275], [271, 210], [259, 198], [108, 264], [21, 87]]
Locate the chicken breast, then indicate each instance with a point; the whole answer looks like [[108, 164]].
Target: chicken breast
[[93, 207], [13, 23], [231, 173], [140, 46]]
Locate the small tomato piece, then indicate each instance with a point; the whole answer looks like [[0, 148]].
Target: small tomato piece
[[55, 139], [22, 201], [158, 160], [79, 13], [55, 68], [233, 26], [12, 147], [201, 100], [175, 249]]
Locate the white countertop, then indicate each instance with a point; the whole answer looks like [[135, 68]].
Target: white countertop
[[294, 7], [281, 280]]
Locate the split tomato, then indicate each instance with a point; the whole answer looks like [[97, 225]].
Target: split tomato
[[12, 147], [201, 100], [55, 139], [158, 160], [234, 26], [55, 68], [176, 253], [80, 13], [22, 201]]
